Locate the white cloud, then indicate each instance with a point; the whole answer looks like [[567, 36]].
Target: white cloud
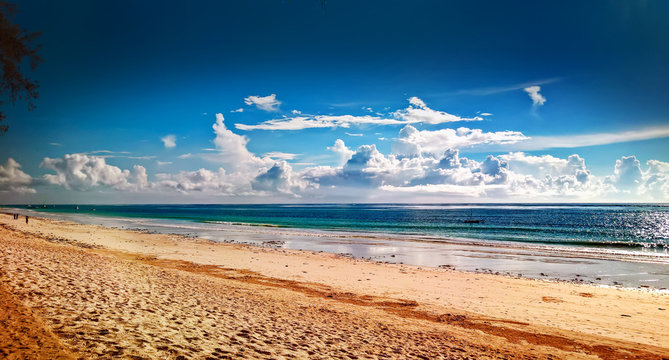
[[203, 180], [237, 111], [657, 180], [352, 134], [627, 173], [169, 141], [280, 155], [242, 174], [417, 102], [411, 141], [484, 91], [232, 151], [318, 121], [83, 172], [573, 141], [55, 144], [13, 179], [632, 183], [545, 165], [163, 163], [108, 152], [657, 167], [417, 112], [425, 165], [266, 103], [145, 157], [185, 156], [533, 92], [281, 178], [509, 176], [340, 149]]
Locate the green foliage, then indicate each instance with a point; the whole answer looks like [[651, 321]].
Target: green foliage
[[16, 48]]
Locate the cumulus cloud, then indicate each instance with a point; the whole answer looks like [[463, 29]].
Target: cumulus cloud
[[280, 177], [83, 172], [426, 164], [342, 150], [411, 141], [507, 176], [242, 173], [232, 151], [627, 173], [544, 165], [533, 92], [203, 180], [657, 167], [632, 182], [417, 112], [13, 179], [657, 180], [266, 103], [169, 141]]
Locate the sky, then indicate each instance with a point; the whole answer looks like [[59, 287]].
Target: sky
[[305, 101]]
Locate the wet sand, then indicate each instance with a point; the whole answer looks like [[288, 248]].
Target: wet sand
[[83, 291]]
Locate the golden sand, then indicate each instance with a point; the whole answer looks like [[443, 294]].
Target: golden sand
[[81, 291]]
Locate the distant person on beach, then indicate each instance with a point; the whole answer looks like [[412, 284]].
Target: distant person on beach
[[26, 219]]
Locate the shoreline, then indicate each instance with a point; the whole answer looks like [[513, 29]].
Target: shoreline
[[514, 316], [606, 267]]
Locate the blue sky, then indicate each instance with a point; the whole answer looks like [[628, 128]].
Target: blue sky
[[120, 76]]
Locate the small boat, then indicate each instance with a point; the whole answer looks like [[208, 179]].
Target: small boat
[[471, 220]]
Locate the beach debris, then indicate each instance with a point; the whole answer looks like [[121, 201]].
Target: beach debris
[[625, 315]]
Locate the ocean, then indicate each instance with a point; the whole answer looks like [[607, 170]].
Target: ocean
[[627, 242]]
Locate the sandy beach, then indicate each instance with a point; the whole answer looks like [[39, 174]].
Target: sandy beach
[[84, 291]]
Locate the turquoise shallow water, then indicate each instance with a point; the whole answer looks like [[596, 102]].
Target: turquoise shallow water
[[621, 226]]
